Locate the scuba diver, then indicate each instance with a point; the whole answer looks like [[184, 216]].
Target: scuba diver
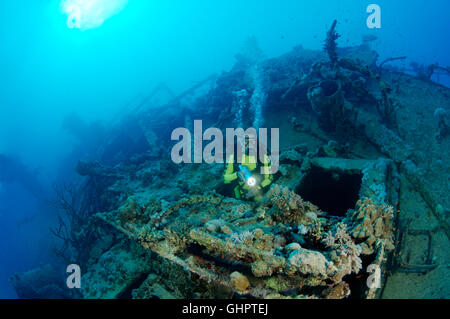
[[245, 177]]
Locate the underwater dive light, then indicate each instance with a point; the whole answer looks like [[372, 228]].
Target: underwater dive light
[[88, 14], [246, 176]]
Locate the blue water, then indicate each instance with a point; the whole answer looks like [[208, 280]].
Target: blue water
[[49, 71]]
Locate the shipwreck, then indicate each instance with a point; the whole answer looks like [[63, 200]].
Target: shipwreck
[[362, 190]]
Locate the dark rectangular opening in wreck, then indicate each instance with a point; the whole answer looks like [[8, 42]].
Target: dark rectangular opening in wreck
[[332, 191]]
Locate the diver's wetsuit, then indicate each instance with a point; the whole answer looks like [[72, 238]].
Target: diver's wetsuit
[[241, 189]]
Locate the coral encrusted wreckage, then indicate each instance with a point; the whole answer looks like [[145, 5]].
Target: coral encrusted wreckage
[[363, 180]]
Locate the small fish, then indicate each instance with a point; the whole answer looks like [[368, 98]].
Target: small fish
[[26, 220]]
